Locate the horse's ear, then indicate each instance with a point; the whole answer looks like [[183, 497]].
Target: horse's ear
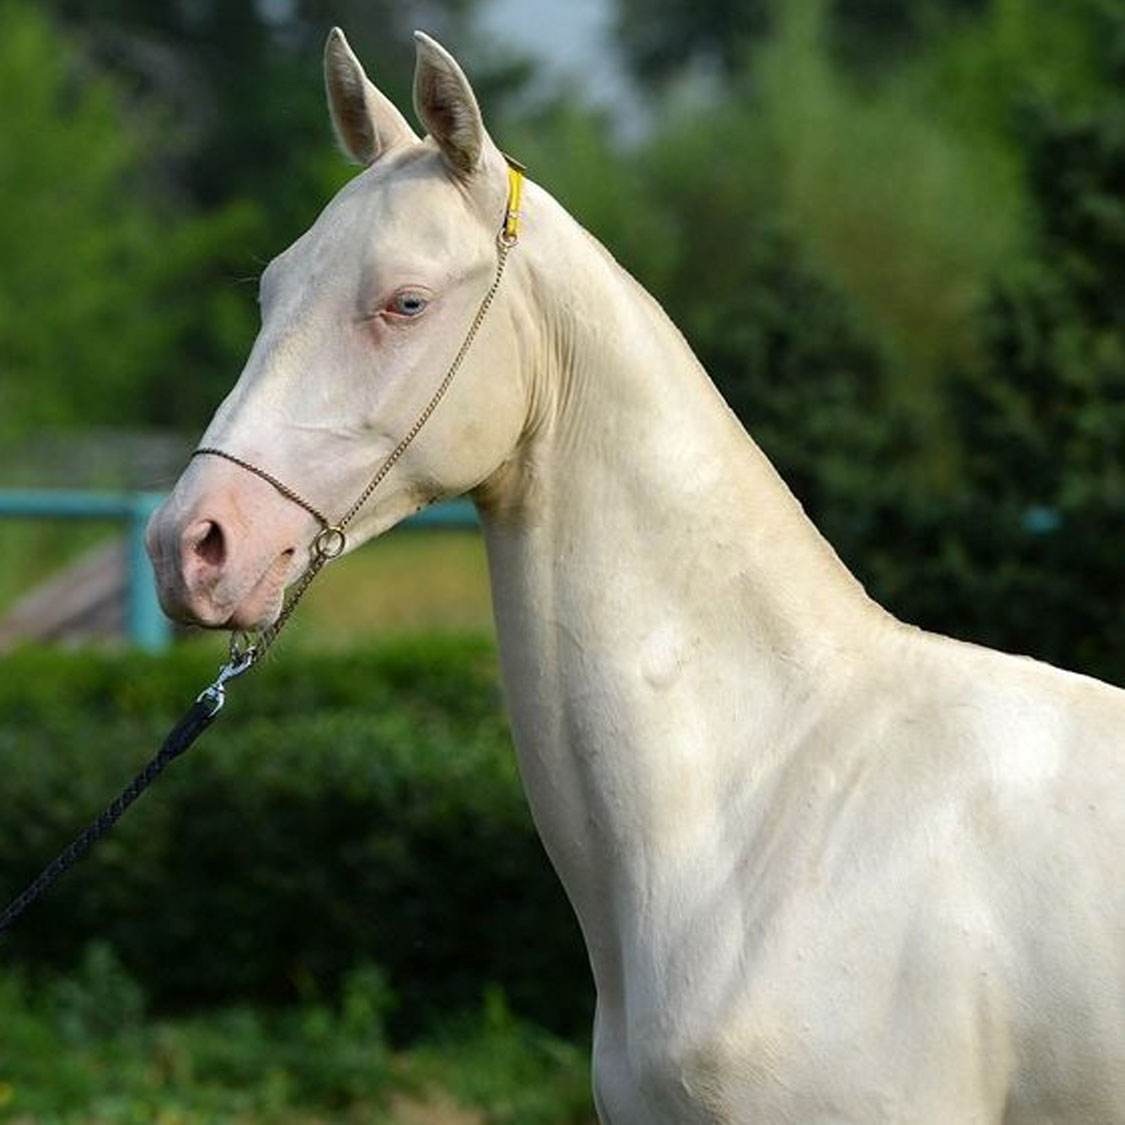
[[366, 122], [446, 105]]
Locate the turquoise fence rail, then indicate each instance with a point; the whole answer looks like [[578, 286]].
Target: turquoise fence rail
[[146, 625]]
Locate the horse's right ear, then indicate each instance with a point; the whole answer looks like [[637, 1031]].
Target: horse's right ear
[[366, 123]]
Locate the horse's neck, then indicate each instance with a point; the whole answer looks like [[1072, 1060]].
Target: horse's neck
[[660, 596]]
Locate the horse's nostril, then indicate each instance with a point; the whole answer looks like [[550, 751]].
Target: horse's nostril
[[209, 543]]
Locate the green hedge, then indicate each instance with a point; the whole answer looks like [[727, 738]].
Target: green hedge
[[346, 808]]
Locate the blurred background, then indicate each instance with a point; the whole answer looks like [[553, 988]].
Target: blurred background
[[894, 232]]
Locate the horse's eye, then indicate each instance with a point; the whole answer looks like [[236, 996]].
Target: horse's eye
[[408, 302]]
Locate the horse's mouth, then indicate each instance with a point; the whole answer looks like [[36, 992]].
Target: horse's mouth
[[230, 603], [262, 603]]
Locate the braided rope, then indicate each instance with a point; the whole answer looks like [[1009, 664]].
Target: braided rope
[[185, 732]]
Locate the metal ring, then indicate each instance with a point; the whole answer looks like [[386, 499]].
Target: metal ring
[[330, 541], [240, 649]]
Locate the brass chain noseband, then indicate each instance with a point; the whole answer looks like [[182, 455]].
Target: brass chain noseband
[[329, 542]]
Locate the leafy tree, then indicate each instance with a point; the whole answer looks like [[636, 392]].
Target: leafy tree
[[663, 39], [240, 83], [1041, 414], [235, 152], [614, 194], [96, 312], [957, 224], [73, 237]]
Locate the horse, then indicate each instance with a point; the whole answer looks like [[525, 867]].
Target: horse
[[828, 867]]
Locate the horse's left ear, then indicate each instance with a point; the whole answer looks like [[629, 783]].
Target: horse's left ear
[[447, 106]]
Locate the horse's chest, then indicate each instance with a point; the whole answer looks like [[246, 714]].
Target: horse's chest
[[748, 1072], [758, 1072], [700, 1049], [808, 1019]]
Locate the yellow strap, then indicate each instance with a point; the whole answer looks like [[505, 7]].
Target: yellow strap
[[511, 229]]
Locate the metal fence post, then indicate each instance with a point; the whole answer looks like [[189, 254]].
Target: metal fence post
[[147, 626], [145, 623]]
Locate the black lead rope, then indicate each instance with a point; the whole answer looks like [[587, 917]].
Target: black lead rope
[[195, 721]]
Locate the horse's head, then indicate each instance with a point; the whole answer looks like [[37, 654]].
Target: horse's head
[[362, 318]]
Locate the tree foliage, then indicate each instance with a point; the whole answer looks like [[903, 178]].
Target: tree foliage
[[1041, 413], [663, 40], [163, 153], [71, 237], [100, 316], [906, 284]]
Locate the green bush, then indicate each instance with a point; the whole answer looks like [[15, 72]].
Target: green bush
[[346, 808]]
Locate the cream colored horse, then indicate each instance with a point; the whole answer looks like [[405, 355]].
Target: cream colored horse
[[829, 868]]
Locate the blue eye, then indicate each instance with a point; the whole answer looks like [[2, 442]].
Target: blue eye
[[408, 302]]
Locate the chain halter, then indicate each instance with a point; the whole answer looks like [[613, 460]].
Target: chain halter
[[331, 540]]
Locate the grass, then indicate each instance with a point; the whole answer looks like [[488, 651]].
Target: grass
[[406, 581], [80, 1051]]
